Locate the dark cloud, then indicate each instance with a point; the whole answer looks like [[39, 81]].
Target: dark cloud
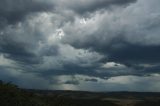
[[14, 11], [90, 6], [124, 38], [91, 80], [45, 40], [135, 54], [128, 54], [18, 51], [72, 82]]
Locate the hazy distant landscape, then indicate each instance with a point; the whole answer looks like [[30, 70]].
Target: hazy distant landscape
[[11, 95]]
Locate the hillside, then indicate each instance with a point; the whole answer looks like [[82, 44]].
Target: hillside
[[11, 95]]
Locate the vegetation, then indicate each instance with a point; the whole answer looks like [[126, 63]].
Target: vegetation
[[11, 95]]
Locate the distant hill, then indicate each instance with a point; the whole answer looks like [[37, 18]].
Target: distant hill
[[11, 95]]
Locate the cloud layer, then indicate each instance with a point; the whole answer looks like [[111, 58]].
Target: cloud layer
[[86, 43]]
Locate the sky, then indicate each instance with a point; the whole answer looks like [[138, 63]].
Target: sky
[[87, 45]]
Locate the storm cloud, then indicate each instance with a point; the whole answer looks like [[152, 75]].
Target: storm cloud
[[13, 11], [89, 6], [77, 45]]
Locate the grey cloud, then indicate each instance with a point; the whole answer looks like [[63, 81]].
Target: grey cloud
[[72, 82], [123, 37], [17, 52], [127, 36], [135, 54], [89, 6], [13, 11], [91, 80]]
